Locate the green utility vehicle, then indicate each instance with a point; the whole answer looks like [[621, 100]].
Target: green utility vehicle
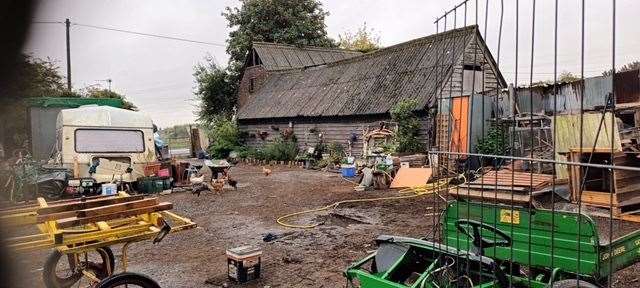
[[488, 245]]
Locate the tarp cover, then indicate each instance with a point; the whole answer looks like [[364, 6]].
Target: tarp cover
[[72, 102]]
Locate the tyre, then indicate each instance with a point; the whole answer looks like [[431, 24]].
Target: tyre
[[129, 280], [573, 283], [70, 273]]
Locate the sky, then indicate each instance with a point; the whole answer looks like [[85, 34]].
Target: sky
[[156, 74]]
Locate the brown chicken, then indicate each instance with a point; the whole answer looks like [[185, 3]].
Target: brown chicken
[[217, 185], [266, 171]]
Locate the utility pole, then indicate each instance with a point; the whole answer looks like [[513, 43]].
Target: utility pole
[[68, 24]]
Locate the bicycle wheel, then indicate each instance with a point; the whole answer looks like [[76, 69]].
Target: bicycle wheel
[[63, 274], [128, 280]]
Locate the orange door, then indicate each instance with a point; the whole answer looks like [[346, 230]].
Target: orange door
[[460, 118]]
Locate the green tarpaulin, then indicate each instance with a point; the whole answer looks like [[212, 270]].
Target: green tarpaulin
[[63, 102]]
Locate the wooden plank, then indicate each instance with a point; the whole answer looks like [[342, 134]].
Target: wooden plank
[[494, 187], [597, 198], [79, 205], [76, 221], [492, 196], [108, 209]]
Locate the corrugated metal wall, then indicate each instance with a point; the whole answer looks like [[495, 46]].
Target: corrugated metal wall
[[43, 131]]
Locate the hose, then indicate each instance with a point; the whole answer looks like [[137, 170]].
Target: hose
[[415, 192]]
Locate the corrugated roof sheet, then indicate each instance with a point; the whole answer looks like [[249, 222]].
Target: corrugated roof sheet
[[276, 56], [371, 83]]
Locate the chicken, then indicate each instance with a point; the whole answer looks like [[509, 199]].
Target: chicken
[[266, 171], [217, 185], [197, 184]]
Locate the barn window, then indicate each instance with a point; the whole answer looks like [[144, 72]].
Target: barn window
[[472, 79], [251, 85]]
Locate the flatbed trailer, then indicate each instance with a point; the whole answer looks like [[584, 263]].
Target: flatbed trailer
[[78, 228]]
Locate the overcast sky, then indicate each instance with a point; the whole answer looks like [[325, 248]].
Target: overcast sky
[[156, 74]]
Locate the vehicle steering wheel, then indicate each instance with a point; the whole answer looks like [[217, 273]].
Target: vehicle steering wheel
[[479, 242]]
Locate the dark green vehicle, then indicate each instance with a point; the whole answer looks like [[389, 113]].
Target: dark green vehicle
[[487, 245]]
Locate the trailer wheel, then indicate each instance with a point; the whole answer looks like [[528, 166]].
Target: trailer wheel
[[573, 283], [63, 274], [129, 280]]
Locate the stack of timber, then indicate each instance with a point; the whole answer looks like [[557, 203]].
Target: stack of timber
[[503, 186], [622, 186]]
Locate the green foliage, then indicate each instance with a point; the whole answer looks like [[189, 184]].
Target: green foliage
[[495, 142], [627, 67], [224, 135], [32, 77], [176, 136], [336, 152], [406, 139], [104, 93], [363, 40], [280, 150], [216, 89], [282, 21], [298, 22]]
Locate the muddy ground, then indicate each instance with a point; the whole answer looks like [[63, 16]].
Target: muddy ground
[[299, 258]]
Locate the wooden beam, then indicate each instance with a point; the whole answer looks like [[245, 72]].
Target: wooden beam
[[77, 221], [79, 205], [108, 209]]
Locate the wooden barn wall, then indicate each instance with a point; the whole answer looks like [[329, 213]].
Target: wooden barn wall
[[473, 55], [336, 130]]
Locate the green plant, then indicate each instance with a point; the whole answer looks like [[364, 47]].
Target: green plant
[[224, 134], [281, 150], [336, 152], [406, 140], [495, 141]]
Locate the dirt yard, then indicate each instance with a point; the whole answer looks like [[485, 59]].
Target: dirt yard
[[298, 258]]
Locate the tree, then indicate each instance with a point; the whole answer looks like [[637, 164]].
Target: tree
[[567, 76], [32, 77], [363, 40], [282, 21], [298, 23], [408, 127], [104, 93], [216, 89], [627, 67]]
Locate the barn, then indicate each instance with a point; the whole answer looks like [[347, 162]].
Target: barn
[[334, 95]]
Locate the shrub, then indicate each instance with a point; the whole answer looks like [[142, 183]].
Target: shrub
[[406, 140], [280, 150], [225, 137], [495, 142], [336, 152]]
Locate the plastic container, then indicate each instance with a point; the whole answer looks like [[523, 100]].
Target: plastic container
[[348, 171], [109, 189]]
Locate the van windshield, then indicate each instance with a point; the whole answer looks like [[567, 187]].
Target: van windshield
[[109, 141]]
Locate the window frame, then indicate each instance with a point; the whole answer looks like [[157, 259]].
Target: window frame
[[75, 140]]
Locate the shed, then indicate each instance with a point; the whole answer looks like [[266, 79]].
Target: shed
[[337, 101]]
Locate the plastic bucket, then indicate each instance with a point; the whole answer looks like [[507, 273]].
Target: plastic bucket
[[109, 189], [348, 171]]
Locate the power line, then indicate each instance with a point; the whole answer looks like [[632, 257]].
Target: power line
[[133, 32], [149, 34]]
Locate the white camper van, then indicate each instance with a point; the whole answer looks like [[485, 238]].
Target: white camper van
[[105, 143]]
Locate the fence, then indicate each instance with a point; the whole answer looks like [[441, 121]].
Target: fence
[[557, 202]]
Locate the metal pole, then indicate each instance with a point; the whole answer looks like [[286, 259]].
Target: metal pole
[[67, 25]]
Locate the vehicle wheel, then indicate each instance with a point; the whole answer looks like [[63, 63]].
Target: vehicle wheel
[[129, 280], [573, 283], [63, 274]]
